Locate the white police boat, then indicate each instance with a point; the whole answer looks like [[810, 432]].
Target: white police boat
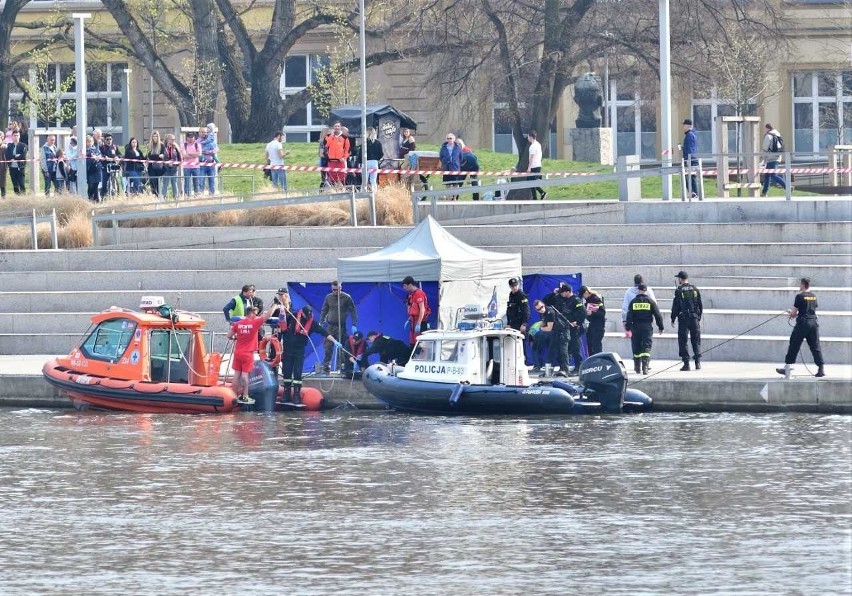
[[478, 368]]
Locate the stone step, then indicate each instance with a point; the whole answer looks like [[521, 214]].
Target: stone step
[[190, 279], [834, 323], [154, 281], [730, 298], [839, 258], [652, 211], [771, 299], [512, 234], [750, 348], [677, 255]]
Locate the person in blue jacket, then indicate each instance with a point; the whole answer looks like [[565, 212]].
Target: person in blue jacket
[[450, 156], [690, 151]]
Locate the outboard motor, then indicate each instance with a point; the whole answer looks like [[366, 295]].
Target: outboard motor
[[263, 387], [605, 380]]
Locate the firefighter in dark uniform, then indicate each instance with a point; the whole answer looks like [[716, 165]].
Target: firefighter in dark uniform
[[570, 315], [596, 315], [388, 349], [806, 328], [518, 307], [356, 348], [687, 310], [295, 330], [642, 313]]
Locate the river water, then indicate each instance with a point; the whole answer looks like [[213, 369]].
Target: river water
[[381, 503]]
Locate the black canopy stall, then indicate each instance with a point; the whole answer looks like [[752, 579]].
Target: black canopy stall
[[386, 119]]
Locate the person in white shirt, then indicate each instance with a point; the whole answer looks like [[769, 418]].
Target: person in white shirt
[[275, 154], [534, 166]]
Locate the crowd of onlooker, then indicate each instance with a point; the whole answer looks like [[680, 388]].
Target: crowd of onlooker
[[160, 166]]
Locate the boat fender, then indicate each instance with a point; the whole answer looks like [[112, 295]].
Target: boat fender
[[457, 393], [312, 398], [274, 359], [569, 388], [637, 398]]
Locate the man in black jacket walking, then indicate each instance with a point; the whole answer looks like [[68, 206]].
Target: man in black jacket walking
[[687, 309]]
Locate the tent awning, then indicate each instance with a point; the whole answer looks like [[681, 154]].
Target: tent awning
[[429, 252]]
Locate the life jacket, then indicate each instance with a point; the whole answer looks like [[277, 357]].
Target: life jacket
[[301, 327], [356, 348], [413, 309]]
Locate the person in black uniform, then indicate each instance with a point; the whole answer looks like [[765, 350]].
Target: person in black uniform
[[295, 329], [387, 348], [356, 346], [807, 328], [687, 309], [16, 156], [570, 315], [642, 313], [518, 307], [596, 315]]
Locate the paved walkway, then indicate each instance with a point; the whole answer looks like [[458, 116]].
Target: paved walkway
[[661, 369]]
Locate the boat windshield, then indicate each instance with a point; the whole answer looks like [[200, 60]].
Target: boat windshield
[[109, 340], [424, 350], [170, 352]]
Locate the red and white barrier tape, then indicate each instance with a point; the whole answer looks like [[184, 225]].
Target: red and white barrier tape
[[294, 168]]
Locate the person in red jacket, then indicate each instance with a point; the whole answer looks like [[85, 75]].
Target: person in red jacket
[[244, 333], [417, 308], [337, 151]]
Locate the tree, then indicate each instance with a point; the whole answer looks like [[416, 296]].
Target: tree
[[42, 97], [532, 50], [250, 70], [51, 31]]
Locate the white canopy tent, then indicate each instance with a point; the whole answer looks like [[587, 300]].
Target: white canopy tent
[[465, 274]]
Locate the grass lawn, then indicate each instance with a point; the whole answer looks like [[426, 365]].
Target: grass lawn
[[245, 182]]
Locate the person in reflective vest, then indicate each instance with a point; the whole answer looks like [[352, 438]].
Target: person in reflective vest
[[295, 329]]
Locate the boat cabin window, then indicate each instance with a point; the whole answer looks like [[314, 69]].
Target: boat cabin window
[[449, 351], [424, 350], [109, 340], [170, 351]]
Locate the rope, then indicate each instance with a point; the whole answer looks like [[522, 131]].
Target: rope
[[703, 352]]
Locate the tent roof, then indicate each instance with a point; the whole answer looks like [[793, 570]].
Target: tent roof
[[350, 116], [428, 252]]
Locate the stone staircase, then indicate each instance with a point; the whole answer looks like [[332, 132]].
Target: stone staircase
[[747, 273]]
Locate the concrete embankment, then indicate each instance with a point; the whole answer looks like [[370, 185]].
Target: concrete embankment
[[718, 387]]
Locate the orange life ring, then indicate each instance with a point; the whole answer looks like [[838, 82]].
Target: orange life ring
[[276, 347]]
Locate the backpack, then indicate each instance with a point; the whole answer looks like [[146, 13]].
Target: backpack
[[776, 145]]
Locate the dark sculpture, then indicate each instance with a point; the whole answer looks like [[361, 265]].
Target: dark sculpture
[[588, 95]]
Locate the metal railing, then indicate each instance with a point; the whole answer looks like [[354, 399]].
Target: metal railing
[[33, 222], [433, 196], [161, 210]]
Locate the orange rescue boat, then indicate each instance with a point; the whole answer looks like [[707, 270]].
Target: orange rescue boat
[[156, 360]]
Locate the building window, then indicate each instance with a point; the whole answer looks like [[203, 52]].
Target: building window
[[706, 107], [502, 140], [822, 110], [634, 120], [103, 93], [306, 123]]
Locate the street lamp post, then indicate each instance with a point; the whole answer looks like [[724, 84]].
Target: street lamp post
[[666, 96], [82, 115], [364, 175]]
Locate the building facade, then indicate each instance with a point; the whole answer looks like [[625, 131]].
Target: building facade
[[810, 100]]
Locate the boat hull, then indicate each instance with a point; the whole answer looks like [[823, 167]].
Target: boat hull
[[91, 391], [428, 397]]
